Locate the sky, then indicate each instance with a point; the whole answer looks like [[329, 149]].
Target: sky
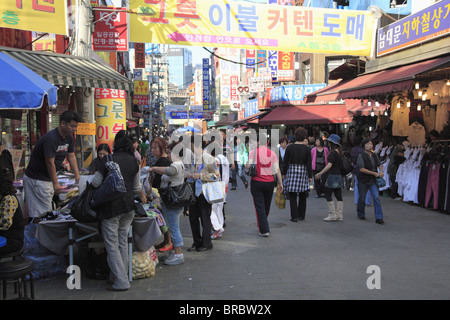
[[198, 53]]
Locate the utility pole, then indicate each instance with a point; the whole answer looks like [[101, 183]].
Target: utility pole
[[82, 47]]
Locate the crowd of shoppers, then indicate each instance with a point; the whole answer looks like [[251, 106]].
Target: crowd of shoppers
[[195, 159]]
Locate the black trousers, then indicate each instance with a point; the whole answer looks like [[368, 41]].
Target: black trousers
[[200, 212], [298, 211], [262, 193]]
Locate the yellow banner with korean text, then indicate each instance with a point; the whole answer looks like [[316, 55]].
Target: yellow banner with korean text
[[34, 15], [244, 25], [110, 114]]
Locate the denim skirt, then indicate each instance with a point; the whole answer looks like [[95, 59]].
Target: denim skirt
[[334, 181]]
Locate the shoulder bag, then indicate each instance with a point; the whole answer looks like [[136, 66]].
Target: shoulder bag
[[112, 187], [251, 171]]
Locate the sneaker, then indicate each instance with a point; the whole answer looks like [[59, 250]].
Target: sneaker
[[167, 256], [174, 260], [217, 234], [264, 234]]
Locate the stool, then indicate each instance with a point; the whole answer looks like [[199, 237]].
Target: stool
[[13, 255], [17, 270]]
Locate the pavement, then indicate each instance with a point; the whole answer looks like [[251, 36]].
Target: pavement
[[407, 258]]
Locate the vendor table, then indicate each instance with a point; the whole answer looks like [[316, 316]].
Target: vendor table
[[2, 241], [58, 235]]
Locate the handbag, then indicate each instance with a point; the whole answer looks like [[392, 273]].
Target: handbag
[[380, 182], [112, 187], [251, 171], [214, 192], [81, 209], [178, 196]]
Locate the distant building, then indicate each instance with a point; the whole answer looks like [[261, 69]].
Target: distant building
[[180, 67]]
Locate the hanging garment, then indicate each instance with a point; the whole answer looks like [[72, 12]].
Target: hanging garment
[[400, 121], [433, 185], [429, 117], [441, 116], [416, 135]]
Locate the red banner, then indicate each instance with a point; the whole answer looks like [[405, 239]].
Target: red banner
[[111, 31]]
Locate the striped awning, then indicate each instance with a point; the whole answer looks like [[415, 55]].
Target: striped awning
[[61, 69]]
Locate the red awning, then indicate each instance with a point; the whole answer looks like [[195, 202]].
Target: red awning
[[308, 114], [250, 119], [381, 82]]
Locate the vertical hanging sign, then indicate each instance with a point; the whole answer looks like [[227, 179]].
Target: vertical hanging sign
[[139, 55], [206, 102], [110, 114], [286, 66]]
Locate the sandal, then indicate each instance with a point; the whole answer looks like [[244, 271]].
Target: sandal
[[166, 248]]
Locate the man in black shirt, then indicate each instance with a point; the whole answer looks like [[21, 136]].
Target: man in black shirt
[[40, 179]]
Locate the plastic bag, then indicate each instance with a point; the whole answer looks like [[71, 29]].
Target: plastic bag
[[142, 265], [280, 200]]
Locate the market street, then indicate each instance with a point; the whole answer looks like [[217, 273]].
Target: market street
[[307, 260]]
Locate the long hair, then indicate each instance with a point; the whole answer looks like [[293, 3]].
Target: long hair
[[6, 182], [123, 142]]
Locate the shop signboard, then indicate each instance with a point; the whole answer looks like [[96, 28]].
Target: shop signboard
[[141, 93], [111, 30], [286, 66], [139, 55], [423, 26], [256, 26], [250, 58], [206, 95], [110, 114], [40, 16], [272, 63], [251, 107], [292, 95]]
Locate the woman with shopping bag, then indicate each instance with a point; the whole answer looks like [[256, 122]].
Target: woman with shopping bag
[[204, 170], [263, 182]]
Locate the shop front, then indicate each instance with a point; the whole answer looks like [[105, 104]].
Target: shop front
[[412, 105], [76, 79]]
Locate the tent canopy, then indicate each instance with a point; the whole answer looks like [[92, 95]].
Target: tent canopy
[[22, 88]]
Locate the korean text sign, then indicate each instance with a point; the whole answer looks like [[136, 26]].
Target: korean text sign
[[425, 25], [110, 114], [244, 25], [292, 95], [111, 31], [34, 15]]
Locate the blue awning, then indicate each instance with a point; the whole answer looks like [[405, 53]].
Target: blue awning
[[22, 88]]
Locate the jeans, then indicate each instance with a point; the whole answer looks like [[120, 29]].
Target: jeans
[[262, 193], [363, 188], [368, 198], [239, 168], [172, 217], [115, 235]]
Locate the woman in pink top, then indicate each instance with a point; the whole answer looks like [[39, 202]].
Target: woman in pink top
[[263, 183]]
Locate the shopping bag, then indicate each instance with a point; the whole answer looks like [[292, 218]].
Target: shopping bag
[[214, 192], [280, 200], [81, 209]]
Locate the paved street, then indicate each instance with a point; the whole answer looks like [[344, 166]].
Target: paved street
[[307, 260]]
